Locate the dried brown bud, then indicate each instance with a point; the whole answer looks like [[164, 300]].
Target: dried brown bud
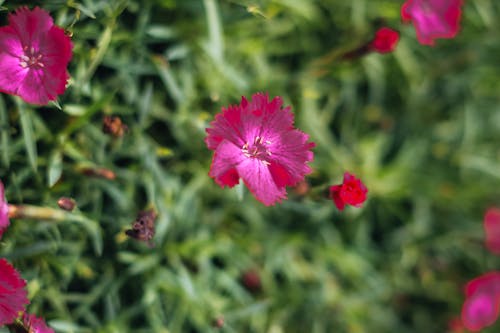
[[99, 172], [66, 203], [114, 126], [143, 228]]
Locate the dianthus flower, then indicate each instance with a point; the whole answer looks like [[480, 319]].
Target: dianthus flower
[[4, 211], [492, 230], [385, 40], [482, 304], [35, 324], [351, 192], [34, 54], [433, 18], [12, 293], [257, 142]]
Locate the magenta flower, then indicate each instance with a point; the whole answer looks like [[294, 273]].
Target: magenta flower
[[256, 141], [482, 304], [12, 293], [492, 230], [34, 54], [35, 324], [4, 211], [433, 18]]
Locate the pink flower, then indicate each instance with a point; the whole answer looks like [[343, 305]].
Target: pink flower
[[4, 211], [12, 293], [433, 18], [351, 192], [385, 40], [34, 54], [492, 230], [35, 324], [256, 141], [482, 303]]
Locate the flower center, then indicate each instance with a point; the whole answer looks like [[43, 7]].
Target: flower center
[[257, 149], [31, 58]]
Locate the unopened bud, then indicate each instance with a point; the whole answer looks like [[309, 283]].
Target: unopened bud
[[251, 281], [66, 203], [99, 172]]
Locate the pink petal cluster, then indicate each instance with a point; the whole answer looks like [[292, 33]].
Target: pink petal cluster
[[433, 18], [34, 54], [35, 324], [491, 226], [482, 303], [4, 211], [351, 192], [385, 41], [257, 142], [13, 297]]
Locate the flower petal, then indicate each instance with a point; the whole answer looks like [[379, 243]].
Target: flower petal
[[35, 324], [480, 310], [13, 297], [30, 25], [256, 175], [226, 157]]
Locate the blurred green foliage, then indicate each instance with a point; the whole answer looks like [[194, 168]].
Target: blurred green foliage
[[419, 126]]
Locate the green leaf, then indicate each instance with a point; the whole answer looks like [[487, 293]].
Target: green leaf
[[29, 136], [55, 167]]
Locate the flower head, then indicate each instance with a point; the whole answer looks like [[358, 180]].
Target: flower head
[[35, 324], [34, 54], [482, 304], [351, 192], [492, 230], [12, 293], [256, 141], [4, 211], [433, 18], [385, 40]]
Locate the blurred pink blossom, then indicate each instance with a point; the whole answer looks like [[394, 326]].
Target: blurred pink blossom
[[482, 303], [257, 142], [433, 18], [34, 54]]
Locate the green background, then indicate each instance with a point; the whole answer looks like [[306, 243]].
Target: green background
[[420, 127]]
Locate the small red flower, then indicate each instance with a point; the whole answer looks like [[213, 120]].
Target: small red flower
[[12, 293], [433, 18], [385, 40], [34, 54], [482, 304], [4, 211], [351, 192], [491, 226]]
